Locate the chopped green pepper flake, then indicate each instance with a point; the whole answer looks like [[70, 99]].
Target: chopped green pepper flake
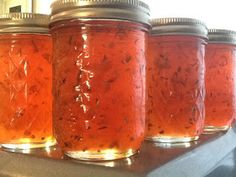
[[164, 78], [114, 144], [105, 59], [126, 119], [85, 149], [131, 139], [70, 40], [102, 128], [179, 69], [97, 101], [35, 46], [149, 111], [111, 45], [162, 62], [127, 59], [27, 133], [77, 137], [113, 78], [47, 57], [67, 144]]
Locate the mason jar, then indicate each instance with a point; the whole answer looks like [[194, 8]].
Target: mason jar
[[175, 80], [25, 81], [99, 77], [220, 80]]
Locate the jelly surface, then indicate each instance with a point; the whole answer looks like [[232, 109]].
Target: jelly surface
[[25, 88], [220, 85], [99, 85], [175, 86]]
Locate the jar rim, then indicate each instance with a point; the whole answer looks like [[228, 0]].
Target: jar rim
[[178, 26], [222, 36], [24, 23], [132, 10]]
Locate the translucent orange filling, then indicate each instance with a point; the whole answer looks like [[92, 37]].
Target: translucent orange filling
[[220, 85], [25, 88], [175, 86], [99, 85]]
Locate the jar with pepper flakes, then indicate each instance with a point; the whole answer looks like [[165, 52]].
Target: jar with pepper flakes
[[25, 81], [220, 80], [99, 77], [175, 80]]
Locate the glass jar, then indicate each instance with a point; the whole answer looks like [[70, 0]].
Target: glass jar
[[25, 81], [220, 80], [99, 77], [175, 80]]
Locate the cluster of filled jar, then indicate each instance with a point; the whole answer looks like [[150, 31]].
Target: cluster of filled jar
[[101, 79]]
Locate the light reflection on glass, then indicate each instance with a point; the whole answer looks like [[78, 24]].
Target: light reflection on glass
[[109, 164], [26, 151], [129, 162], [175, 145], [48, 150]]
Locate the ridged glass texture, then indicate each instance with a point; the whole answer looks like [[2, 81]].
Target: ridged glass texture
[[25, 90], [99, 88], [175, 88]]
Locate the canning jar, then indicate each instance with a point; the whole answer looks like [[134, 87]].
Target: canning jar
[[25, 81], [175, 80], [220, 80], [99, 77]]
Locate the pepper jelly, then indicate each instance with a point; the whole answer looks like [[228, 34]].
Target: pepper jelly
[[175, 80], [99, 77], [25, 81]]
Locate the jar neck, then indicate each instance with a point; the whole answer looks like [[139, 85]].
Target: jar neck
[[28, 36], [100, 23]]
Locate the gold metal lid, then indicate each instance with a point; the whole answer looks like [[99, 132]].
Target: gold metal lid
[[222, 36], [132, 10], [178, 26], [24, 23]]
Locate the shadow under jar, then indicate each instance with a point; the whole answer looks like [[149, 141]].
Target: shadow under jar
[[99, 77], [175, 80], [25, 81], [220, 80]]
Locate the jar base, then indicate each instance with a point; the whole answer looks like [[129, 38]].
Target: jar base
[[215, 129], [103, 155], [25, 143], [169, 139]]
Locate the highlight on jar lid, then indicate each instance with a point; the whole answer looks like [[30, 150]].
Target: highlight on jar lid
[[24, 23], [132, 10], [222, 36], [178, 26]]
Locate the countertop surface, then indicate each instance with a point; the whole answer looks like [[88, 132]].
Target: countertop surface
[[196, 159], [226, 167]]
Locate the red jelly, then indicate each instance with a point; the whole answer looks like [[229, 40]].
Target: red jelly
[[99, 81], [175, 80], [25, 81], [220, 80]]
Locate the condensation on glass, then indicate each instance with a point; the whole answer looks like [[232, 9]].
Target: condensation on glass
[[99, 77], [220, 80], [25, 81], [175, 80]]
